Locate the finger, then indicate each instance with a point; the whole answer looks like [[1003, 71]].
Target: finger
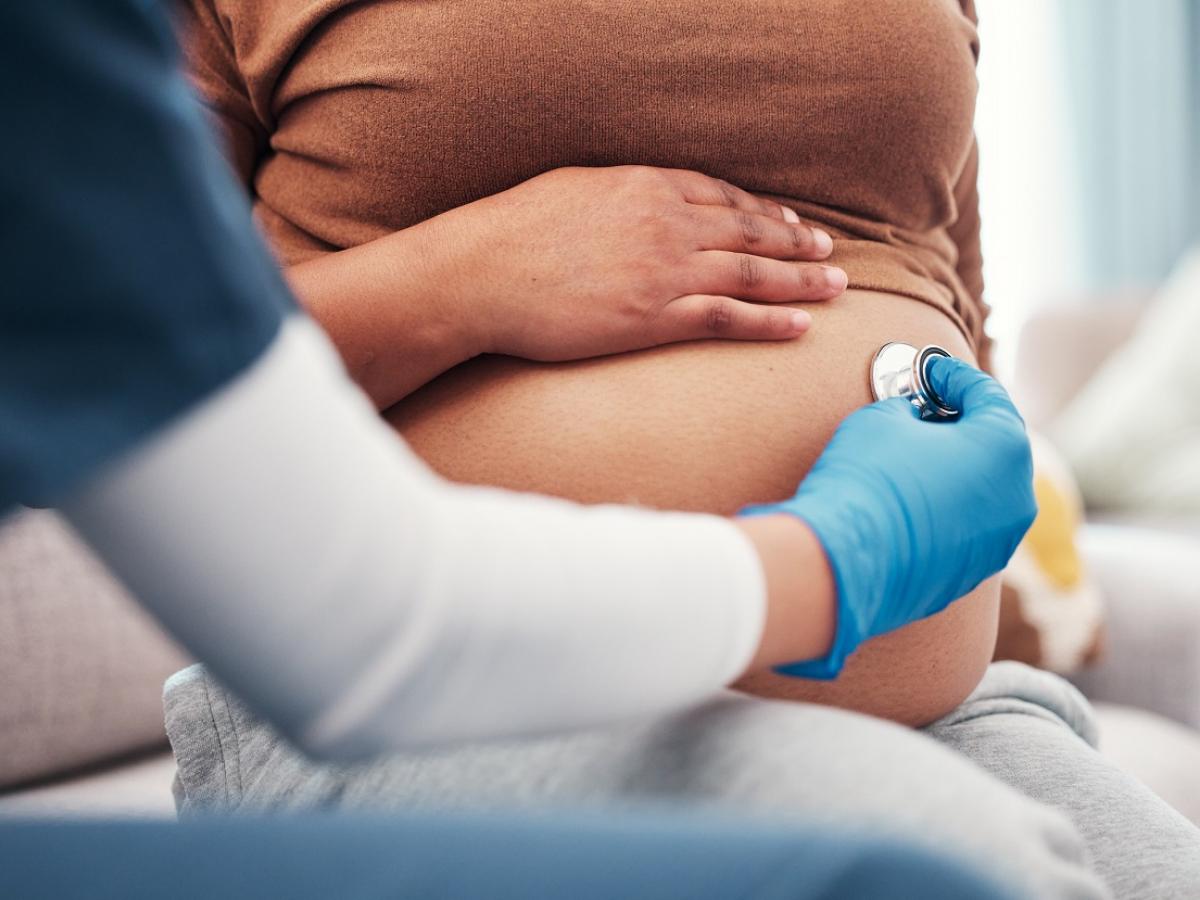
[[987, 406], [964, 387], [699, 316], [750, 277], [704, 190], [747, 232]]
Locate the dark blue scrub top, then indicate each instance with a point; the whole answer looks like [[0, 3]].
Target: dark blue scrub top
[[132, 282]]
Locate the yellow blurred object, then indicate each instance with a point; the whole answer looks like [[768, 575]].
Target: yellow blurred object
[[1051, 612], [1052, 537]]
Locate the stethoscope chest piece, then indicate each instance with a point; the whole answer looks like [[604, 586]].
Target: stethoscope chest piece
[[899, 370]]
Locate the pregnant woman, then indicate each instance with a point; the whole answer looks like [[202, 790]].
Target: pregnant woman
[[405, 158], [354, 123]]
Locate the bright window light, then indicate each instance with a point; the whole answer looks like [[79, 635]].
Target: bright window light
[[1028, 196]]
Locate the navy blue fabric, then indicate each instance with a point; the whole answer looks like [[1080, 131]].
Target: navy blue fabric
[[133, 281], [465, 857]]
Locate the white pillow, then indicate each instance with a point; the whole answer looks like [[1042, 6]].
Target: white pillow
[[1132, 434]]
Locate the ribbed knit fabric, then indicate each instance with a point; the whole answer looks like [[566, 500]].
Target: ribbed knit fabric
[[352, 120]]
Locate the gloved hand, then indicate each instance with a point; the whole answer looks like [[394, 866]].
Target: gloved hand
[[913, 514]]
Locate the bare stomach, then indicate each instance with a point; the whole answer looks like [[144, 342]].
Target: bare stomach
[[710, 427]]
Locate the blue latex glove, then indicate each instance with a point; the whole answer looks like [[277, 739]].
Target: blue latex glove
[[914, 514]]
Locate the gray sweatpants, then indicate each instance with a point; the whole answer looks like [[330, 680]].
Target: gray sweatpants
[[1035, 732], [751, 757]]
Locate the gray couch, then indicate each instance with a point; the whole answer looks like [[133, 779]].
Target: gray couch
[[81, 673], [81, 669]]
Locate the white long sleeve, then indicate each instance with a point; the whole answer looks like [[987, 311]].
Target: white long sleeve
[[363, 604]]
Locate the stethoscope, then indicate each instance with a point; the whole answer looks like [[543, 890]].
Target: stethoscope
[[900, 370]]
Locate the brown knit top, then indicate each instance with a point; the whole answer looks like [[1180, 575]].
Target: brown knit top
[[351, 120]]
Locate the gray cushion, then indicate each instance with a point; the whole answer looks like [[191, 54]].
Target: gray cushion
[[1132, 434], [81, 667], [1152, 659]]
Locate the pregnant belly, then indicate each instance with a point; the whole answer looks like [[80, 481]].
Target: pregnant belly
[[710, 427]]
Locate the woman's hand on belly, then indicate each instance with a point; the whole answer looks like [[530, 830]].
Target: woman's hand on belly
[[710, 427], [586, 262], [571, 264]]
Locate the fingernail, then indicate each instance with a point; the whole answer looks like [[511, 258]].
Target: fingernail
[[822, 241], [789, 215], [801, 320], [836, 278]]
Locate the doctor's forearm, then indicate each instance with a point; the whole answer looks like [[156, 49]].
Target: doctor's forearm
[[364, 605], [801, 593]]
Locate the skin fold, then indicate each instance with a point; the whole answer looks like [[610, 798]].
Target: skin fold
[[711, 426]]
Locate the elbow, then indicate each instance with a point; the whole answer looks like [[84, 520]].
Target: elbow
[[344, 733]]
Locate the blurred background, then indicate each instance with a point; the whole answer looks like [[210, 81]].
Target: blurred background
[[1089, 123], [1089, 128]]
